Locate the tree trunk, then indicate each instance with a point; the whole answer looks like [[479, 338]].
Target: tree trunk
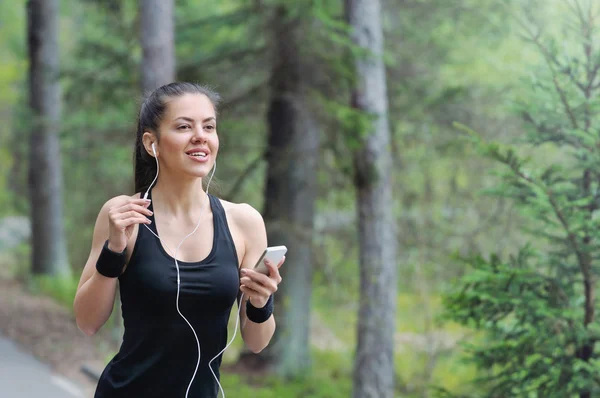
[[290, 195], [157, 23], [374, 362], [49, 252]]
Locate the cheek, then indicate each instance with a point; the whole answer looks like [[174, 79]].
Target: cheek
[[215, 143], [171, 146]]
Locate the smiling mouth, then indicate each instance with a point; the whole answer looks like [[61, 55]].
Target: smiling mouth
[[198, 154]]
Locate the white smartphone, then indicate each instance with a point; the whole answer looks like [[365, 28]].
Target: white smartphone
[[274, 254]]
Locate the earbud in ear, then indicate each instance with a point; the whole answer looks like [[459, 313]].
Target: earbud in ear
[[153, 149]]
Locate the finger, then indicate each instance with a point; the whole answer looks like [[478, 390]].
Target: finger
[[259, 288], [265, 289], [256, 276], [133, 220], [129, 207], [273, 272], [130, 214], [273, 269], [248, 281], [141, 202], [254, 297], [249, 293]]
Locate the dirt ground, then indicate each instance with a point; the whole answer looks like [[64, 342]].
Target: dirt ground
[[48, 331]]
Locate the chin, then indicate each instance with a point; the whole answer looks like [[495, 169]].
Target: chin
[[200, 171]]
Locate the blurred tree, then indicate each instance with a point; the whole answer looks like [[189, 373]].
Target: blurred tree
[[157, 21], [49, 254], [374, 362], [537, 308], [290, 191]]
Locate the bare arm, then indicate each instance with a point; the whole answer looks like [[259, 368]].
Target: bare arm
[[255, 286], [95, 295]]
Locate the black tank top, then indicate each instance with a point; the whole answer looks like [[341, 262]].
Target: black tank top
[[159, 353]]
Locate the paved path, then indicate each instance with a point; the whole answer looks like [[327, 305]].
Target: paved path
[[22, 376]]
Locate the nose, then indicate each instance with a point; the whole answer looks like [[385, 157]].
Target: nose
[[199, 134]]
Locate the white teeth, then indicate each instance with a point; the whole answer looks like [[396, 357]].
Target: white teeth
[[200, 154]]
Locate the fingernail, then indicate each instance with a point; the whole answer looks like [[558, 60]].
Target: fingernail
[[244, 271]]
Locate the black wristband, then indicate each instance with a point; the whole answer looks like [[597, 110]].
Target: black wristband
[[110, 264], [259, 315]]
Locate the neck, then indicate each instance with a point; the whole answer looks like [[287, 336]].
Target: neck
[[179, 196]]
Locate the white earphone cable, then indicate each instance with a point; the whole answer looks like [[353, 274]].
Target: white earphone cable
[[179, 281]]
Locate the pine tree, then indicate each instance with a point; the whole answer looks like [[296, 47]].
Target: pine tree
[[537, 307]]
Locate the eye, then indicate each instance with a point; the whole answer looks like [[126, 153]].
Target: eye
[[184, 126], [210, 127]]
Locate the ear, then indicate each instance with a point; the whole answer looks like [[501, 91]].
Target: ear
[[150, 144]]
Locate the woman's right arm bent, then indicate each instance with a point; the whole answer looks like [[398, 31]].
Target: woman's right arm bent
[[95, 295]]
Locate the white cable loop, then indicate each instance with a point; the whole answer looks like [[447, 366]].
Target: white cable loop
[[179, 282]]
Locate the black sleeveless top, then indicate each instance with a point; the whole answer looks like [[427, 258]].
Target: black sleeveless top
[[159, 352]]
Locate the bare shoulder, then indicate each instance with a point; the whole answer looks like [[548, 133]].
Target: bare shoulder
[[249, 226], [243, 215]]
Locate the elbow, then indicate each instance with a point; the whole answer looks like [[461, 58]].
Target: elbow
[[255, 346], [86, 327], [256, 349], [88, 331]]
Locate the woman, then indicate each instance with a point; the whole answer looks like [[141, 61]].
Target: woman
[[175, 312]]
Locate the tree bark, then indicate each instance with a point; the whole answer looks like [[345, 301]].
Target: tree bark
[[374, 363], [158, 43], [49, 252], [290, 195]]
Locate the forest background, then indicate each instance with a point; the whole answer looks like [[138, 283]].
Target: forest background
[[493, 173]]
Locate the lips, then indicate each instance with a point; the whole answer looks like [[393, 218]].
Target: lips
[[198, 155]]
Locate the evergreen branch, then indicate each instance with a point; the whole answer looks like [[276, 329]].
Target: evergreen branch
[[554, 134], [535, 38], [548, 55], [587, 49], [583, 263]]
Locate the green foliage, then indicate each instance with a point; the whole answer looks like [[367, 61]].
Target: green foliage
[[434, 78], [537, 307], [61, 289], [330, 379]]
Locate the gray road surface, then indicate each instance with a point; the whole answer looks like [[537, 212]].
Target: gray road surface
[[22, 376]]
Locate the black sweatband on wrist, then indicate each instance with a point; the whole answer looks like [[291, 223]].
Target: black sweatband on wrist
[[110, 264], [259, 315]]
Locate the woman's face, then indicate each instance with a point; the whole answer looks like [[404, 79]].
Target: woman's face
[[188, 135]]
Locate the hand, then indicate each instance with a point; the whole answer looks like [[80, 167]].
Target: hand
[[121, 220], [259, 287]]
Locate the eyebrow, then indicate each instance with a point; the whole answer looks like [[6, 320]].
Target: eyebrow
[[187, 119]]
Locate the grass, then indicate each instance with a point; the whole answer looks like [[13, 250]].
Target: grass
[[420, 367], [61, 289], [330, 378]]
